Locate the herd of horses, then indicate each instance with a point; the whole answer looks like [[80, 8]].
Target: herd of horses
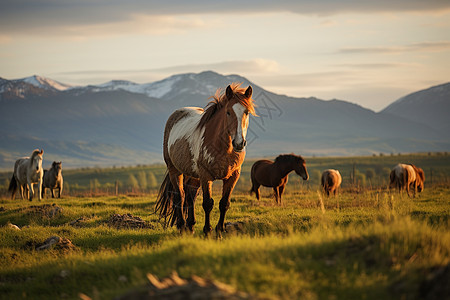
[[199, 147], [28, 172]]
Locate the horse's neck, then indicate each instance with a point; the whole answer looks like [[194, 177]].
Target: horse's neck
[[216, 134], [284, 168]]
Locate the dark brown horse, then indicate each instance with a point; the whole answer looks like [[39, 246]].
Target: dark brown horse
[[53, 179], [275, 174], [407, 177], [331, 180], [201, 146]]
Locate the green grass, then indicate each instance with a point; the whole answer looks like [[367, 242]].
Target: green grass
[[375, 245]]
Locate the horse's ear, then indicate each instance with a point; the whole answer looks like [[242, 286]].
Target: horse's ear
[[229, 93], [42, 152], [249, 92]]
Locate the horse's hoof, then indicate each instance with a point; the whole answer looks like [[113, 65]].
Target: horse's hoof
[[207, 230], [219, 232]]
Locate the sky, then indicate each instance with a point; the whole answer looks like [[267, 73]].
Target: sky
[[362, 51]]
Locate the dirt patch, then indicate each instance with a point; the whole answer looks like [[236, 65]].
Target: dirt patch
[[46, 210], [57, 243], [174, 287], [234, 227], [128, 221], [80, 222]]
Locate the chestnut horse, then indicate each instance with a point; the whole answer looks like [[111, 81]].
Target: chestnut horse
[[201, 146], [275, 174], [407, 176], [331, 180], [27, 172]]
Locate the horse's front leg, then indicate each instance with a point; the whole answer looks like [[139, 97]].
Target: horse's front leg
[[31, 191], [208, 204], [39, 190], [224, 205]]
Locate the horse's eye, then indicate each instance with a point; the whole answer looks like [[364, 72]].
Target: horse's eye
[[228, 113]]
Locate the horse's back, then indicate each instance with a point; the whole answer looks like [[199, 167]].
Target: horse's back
[[20, 169], [331, 177], [261, 172], [261, 166]]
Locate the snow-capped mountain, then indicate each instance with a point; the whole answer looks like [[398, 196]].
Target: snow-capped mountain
[[45, 83], [122, 122], [197, 86], [29, 87]]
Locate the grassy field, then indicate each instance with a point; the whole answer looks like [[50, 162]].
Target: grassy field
[[367, 243]]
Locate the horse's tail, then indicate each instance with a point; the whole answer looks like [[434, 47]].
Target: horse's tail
[[12, 186], [164, 201]]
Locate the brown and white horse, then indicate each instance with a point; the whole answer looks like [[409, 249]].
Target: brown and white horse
[[275, 174], [201, 146], [407, 176], [27, 172], [331, 181]]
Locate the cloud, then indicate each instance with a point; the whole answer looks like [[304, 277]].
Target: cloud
[[415, 47], [241, 67], [18, 16]]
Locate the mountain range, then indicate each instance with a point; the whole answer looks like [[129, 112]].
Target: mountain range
[[121, 122]]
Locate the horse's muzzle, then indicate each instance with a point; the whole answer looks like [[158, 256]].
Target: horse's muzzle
[[239, 147]]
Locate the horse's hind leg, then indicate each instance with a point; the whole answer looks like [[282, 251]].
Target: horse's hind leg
[[255, 188], [191, 187], [178, 200], [53, 193], [276, 194]]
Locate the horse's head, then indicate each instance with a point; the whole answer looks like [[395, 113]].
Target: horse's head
[[420, 178], [57, 166], [36, 160], [237, 110], [300, 168]]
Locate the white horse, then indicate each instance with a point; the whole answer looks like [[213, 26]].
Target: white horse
[[27, 172]]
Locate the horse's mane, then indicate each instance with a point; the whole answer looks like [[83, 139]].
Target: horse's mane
[[288, 157], [33, 155], [219, 100]]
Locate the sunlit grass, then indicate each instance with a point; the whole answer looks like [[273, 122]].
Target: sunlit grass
[[373, 244]]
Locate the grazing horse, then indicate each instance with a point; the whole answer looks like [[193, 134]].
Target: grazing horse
[[27, 172], [275, 174], [407, 176], [331, 181], [201, 146], [53, 179]]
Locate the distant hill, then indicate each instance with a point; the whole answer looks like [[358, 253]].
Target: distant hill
[[121, 122], [430, 106]]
